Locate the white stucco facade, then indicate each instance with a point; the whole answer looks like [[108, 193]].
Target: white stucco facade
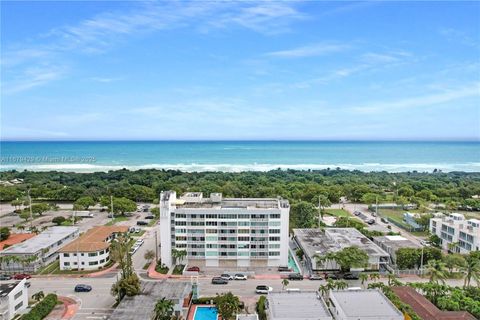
[[13, 299]]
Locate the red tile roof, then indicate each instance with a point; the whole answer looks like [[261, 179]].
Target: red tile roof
[[425, 309], [15, 238]]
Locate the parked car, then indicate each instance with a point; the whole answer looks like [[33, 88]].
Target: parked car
[[83, 288], [371, 221], [332, 276], [133, 250], [263, 289], [226, 276], [357, 213], [142, 223], [194, 268], [240, 276], [384, 220], [284, 269], [150, 217], [134, 229], [315, 277], [350, 276], [110, 215], [219, 280], [139, 242], [21, 276], [5, 277], [295, 276]]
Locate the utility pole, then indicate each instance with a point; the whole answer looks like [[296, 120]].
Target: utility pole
[[156, 246], [376, 208], [111, 206], [319, 212], [421, 263], [31, 213]]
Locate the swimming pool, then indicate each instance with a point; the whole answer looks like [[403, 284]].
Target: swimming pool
[[206, 313], [292, 264]]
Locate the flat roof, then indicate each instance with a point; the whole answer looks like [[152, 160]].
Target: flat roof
[[317, 241], [247, 317], [93, 239], [41, 241], [297, 306], [363, 304], [6, 288], [396, 242], [15, 238], [140, 307], [237, 203]]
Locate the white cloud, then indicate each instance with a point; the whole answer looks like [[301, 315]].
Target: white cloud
[[467, 91], [31, 78], [310, 50]]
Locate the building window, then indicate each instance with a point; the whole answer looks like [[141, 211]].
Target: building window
[[93, 263], [18, 295], [92, 254], [66, 255], [66, 263], [18, 305]]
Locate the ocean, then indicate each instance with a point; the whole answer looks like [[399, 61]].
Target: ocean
[[234, 156]]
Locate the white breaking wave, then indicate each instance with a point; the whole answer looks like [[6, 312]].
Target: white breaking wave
[[194, 167]]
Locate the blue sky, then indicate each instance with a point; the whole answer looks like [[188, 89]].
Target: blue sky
[[244, 70]]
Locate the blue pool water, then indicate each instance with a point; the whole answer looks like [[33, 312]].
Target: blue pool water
[[292, 264], [206, 313]]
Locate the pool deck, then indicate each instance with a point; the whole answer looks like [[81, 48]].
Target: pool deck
[[193, 308]]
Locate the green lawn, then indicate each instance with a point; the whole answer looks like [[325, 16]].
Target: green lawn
[[138, 234], [54, 268], [338, 212], [153, 222], [116, 220]]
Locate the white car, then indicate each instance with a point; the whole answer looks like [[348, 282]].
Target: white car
[[226, 276], [240, 276], [263, 289], [139, 242]]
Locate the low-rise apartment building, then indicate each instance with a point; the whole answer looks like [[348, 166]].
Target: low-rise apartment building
[[91, 251], [224, 232], [13, 299], [391, 244], [34, 253], [318, 242], [455, 229]]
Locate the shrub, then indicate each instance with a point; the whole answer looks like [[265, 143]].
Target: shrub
[[42, 309], [204, 300], [262, 314]]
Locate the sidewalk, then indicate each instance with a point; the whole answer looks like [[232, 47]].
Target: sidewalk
[[64, 311], [80, 275]]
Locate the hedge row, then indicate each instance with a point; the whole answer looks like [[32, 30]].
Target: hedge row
[[42, 309]]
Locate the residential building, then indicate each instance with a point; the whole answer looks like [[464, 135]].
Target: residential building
[[91, 251], [36, 252], [369, 304], [425, 309], [141, 306], [319, 242], [391, 244], [224, 232], [13, 299], [411, 220], [455, 229], [15, 238], [300, 305]]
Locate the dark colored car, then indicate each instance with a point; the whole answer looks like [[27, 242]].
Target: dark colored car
[[357, 213], [371, 221], [142, 223], [332, 276], [83, 288], [219, 280], [21, 276], [5, 277], [295, 276], [196, 269], [150, 217], [284, 269], [350, 276], [315, 277]]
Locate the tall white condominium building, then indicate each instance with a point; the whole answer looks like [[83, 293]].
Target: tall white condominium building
[[454, 228], [218, 232]]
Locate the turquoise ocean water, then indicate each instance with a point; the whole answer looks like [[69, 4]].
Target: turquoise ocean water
[[233, 156]]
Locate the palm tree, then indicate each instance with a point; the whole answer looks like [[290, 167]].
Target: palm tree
[[330, 284], [374, 276], [285, 283], [393, 280], [163, 310], [21, 227], [149, 255], [324, 290], [363, 278], [471, 270], [38, 296], [181, 254], [228, 305], [437, 271], [341, 285], [452, 246]]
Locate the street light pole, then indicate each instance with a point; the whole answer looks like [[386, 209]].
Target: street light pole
[[156, 246], [31, 213]]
